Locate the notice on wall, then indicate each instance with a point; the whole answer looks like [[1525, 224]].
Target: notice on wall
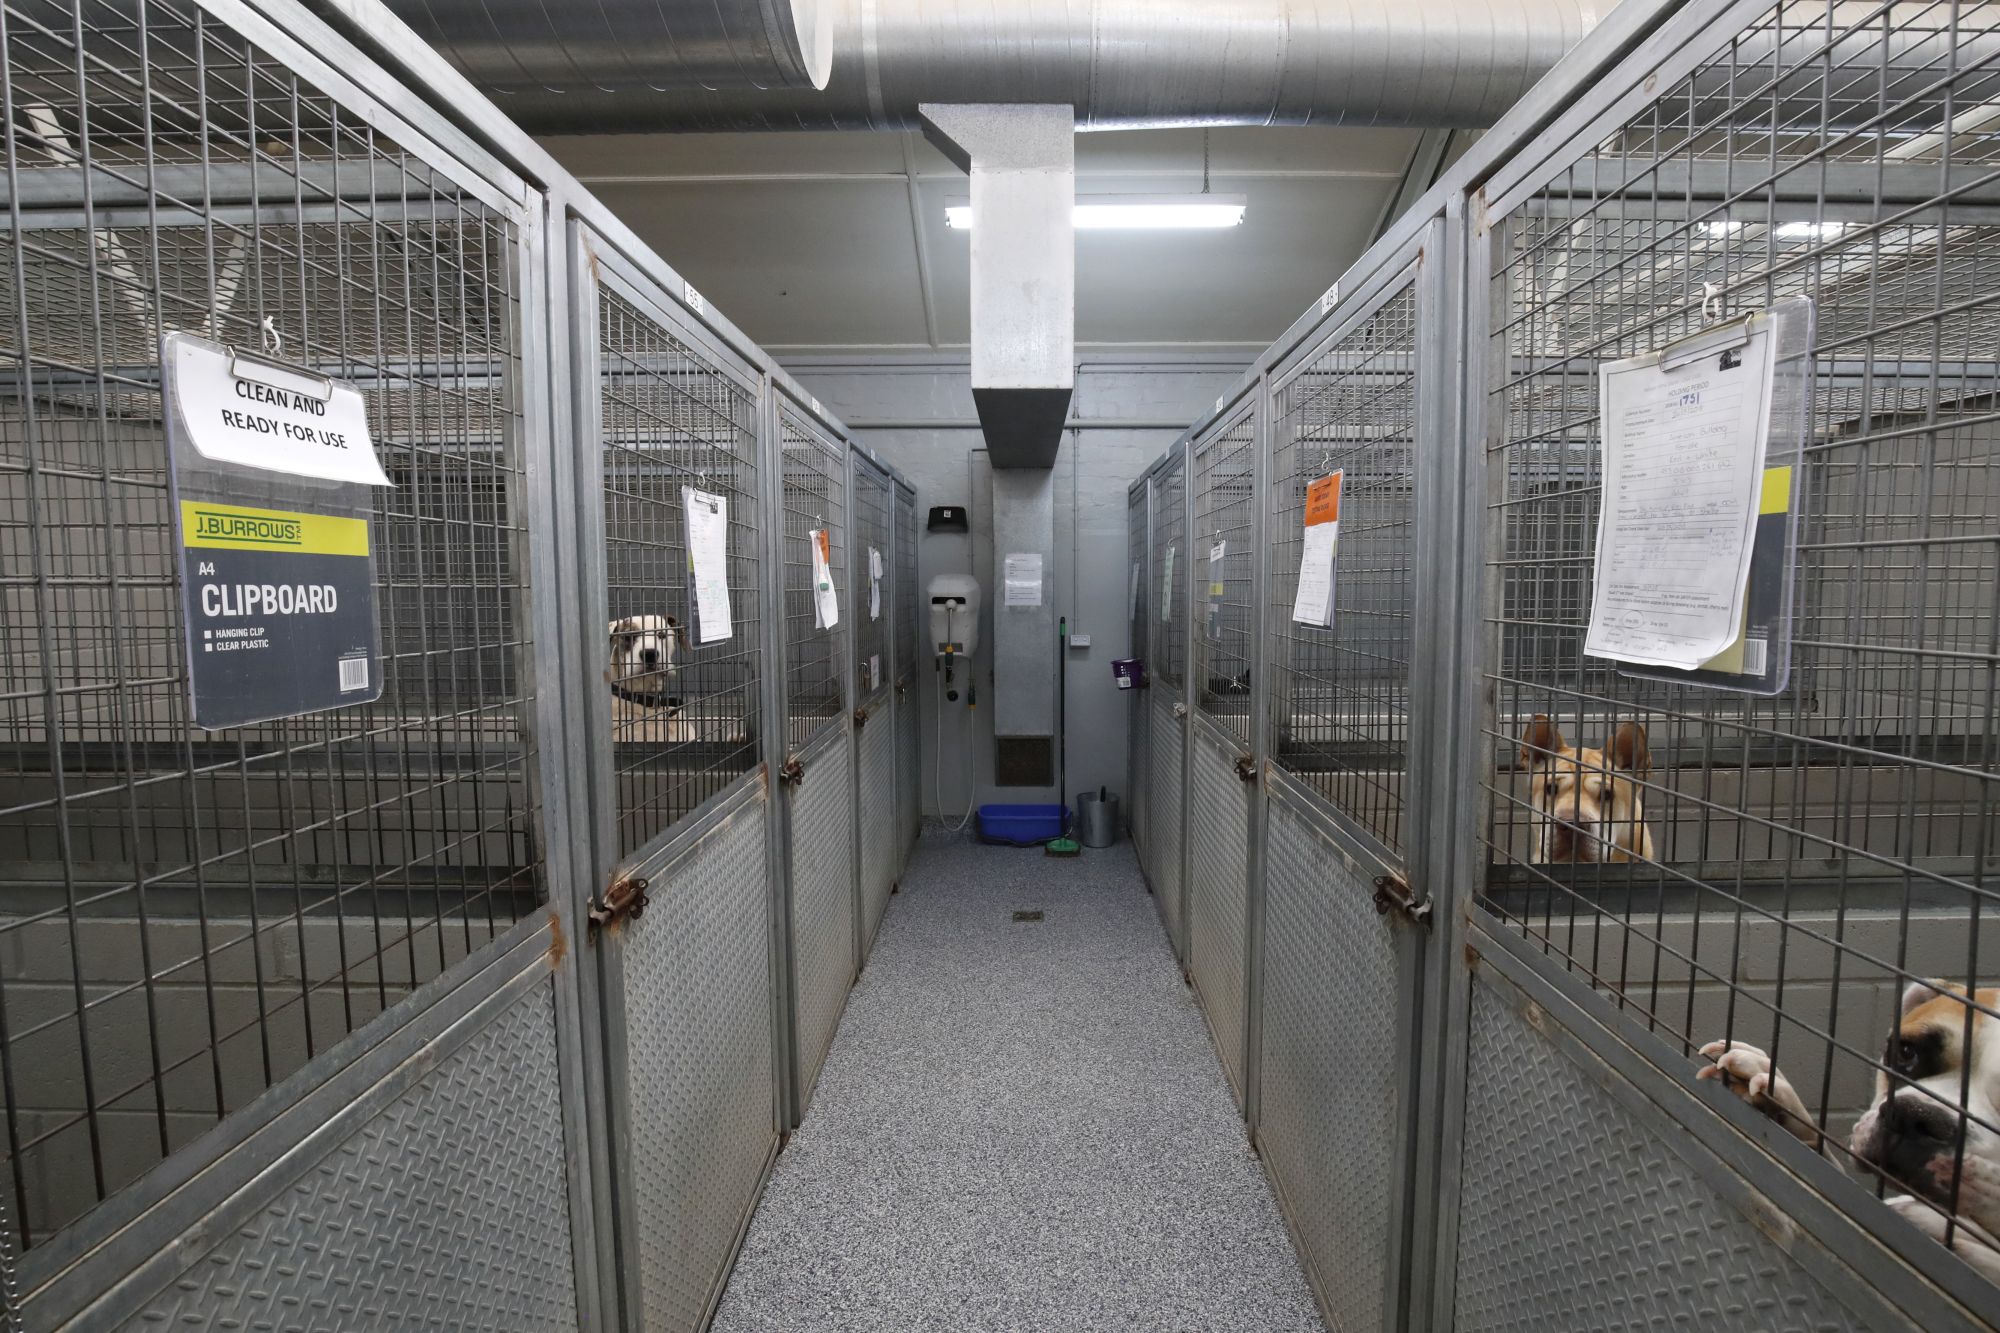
[[874, 672], [708, 561], [1319, 552], [1683, 469], [826, 602], [1132, 594], [253, 412], [874, 584], [1022, 579], [1167, 586]]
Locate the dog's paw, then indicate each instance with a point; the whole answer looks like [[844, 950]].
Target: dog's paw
[[1747, 1072]]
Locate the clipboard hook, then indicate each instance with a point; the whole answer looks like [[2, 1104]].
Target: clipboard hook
[[269, 338], [1711, 302]]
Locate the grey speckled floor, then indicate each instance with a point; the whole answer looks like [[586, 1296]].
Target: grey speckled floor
[[1021, 1126]]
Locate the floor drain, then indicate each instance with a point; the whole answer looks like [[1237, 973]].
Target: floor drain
[[1027, 916]]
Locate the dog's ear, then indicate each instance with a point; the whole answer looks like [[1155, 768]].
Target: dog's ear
[[1541, 742], [680, 633], [1627, 750], [1923, 992]]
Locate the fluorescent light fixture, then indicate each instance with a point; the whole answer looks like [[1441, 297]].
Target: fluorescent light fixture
[[1722, 228], [1137, 212], [1810, 231]]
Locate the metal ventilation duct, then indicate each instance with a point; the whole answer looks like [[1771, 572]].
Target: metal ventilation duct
[[546, 59], [630, 65]]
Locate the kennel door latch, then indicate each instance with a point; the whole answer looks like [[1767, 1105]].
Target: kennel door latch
[[1246, 767], [625, 898], [860, 717], [792, 772], [1180, 710], [1393, 891]]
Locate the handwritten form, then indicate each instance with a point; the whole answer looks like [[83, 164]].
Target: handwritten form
[[1683, 467], [874, 584], [708, 557], [826, 602], [1023, 579], [1313, 605], [1167, 587]]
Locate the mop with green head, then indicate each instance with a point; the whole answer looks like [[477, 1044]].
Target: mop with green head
[[1064, 845]]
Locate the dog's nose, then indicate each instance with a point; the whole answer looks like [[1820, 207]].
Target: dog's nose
[[650, 656]]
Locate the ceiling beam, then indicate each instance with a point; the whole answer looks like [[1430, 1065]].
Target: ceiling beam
[[918, 239], [1427, 159]]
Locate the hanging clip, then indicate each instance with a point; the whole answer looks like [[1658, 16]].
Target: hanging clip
[[1711, 302], [273, 341]]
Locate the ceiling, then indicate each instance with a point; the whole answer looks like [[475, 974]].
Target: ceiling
[[817, 241]]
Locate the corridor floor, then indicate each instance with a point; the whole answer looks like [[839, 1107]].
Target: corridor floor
[[1020, 1126]]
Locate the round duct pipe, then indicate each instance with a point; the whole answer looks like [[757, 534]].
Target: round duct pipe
[[533, 56], [606, 66]]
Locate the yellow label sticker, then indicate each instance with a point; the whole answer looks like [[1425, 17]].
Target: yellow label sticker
[[232, 527], [1776, 496]]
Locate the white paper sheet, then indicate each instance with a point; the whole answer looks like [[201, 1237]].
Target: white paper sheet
[[1683, 468], [826, 602], [708, 553], [1167, 587], [1314, 603], [260, 415], [874, 584], [1023, 579], [1132, 594]]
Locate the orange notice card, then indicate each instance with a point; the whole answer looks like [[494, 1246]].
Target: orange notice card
[[1323, 500]]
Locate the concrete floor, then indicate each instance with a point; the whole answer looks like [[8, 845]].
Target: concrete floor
[[1021, 1126]]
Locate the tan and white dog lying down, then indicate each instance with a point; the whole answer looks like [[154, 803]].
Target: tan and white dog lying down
[[1910, 1133], [641, 668], [1590, 805]]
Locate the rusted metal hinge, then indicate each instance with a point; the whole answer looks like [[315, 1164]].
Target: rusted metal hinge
[[1246, 767], [625, 898], [792, 773], [860, 717], [1394, 891]]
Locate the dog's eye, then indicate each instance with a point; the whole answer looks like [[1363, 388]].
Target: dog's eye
[[1551, 787]]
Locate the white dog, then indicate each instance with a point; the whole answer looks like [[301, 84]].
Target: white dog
[[1912, 1132], [642, 668]]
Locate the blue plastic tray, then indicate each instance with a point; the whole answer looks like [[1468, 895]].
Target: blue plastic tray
[[1022, 825]]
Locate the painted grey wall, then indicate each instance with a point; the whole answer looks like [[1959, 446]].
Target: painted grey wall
[[1136, 405]]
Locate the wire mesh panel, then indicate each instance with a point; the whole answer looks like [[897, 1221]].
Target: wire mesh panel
[[1139, 728], [1573, 1241], [1338, 983], [822, 831], [1340, 694], [1162, 851], [675, 428], [1218, 881], [881, 842], [187, 917], [1805, 874], [1224, 563], [909, 639], [870, 578], [697, 1038], [815, 501], [1170, 576]]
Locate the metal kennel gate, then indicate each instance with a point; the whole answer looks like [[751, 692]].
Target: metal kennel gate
[[1815, 850], [1223, 539], [1167, 748], [1138, 731], [678, 780], [909, 636], [877, 854], [818, 773], [1340, 993], [264, 982]]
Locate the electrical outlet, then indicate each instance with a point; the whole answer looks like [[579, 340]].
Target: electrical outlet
[[1079, 641]]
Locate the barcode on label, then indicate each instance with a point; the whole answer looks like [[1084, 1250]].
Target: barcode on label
[[1755, 656], [353, 674]]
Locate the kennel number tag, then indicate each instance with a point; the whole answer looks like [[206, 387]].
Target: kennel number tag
[[235, 408], [279, 610]]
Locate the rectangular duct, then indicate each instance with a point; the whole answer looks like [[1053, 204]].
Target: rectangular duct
[[1022, 160], [1024, 637]]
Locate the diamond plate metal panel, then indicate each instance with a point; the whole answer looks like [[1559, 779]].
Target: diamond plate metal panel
[[698, 1051], [1218, 833], [881, 844], [1333, 1068], [447, 1210], [822, 904], [1575, 1216], [1163, 792]]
